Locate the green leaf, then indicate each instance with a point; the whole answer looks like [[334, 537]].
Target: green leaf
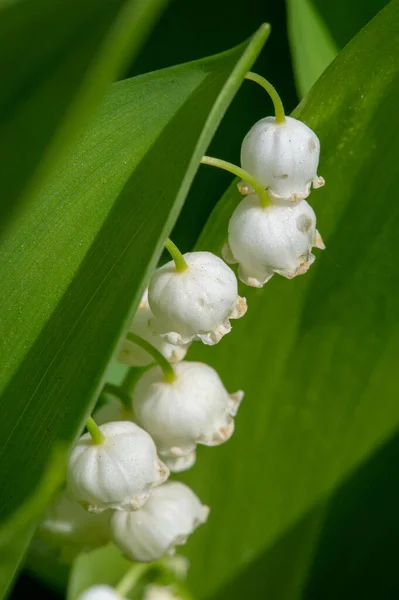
[[319, 29], [345, 19], [304, 474], [104, 565], [312, 45], [75, 265], [16, 531], [57, 59]]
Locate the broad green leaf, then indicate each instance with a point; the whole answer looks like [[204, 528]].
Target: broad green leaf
[[57, 58], [317, 359], [75, 265], [312, 45], [345, 19], [16, 531], [319, 29]]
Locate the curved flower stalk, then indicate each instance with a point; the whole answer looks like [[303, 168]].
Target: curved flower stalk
[[281, 153], [133, 355]]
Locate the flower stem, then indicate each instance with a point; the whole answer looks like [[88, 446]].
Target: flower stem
[[95, 432], [129, 381], [271, 90], [177, 256], [131, 578], [168, 371], [257, 186], [120, 393]]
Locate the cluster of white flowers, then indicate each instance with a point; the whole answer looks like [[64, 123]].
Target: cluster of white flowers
[[120, 467], [278, 238]]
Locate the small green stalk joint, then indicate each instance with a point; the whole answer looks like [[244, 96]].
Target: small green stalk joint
[[271, 90], [177, 256], [168, 371], [95, 432], [239, 172]]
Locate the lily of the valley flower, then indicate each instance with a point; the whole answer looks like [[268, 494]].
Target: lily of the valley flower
[[99, 592], [275, 239], [283, 157], [193, 409], [169, 516], [131, 354], [196, 303], [67, 523], [117, 473]]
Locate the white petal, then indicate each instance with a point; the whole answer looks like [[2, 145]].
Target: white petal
[[284, 157], [99, 592], [171, 514], [194, 409], [195, 304], [178, 464], [119, 473], [67, 523], [273, 239]]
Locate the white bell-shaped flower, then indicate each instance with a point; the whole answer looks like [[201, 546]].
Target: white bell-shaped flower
[[197, 303], [66, 522], [193, 409], [131, 354], [283, 157], [275, 239], [118, 473], [99, 592], [170, 515]]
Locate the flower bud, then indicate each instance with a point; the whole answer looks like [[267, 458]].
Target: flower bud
[[67, 523], [193, 409], [99, 592], [170, 515], [131, 354], [275, 239], [196, 303], [283, 157], [118, 473]]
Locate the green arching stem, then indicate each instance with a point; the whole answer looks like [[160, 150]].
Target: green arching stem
[[94, 431], [177, 256], [168, 371], [119, 392], [131, 578], [129, 381], [257, 186], [271, 90]]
